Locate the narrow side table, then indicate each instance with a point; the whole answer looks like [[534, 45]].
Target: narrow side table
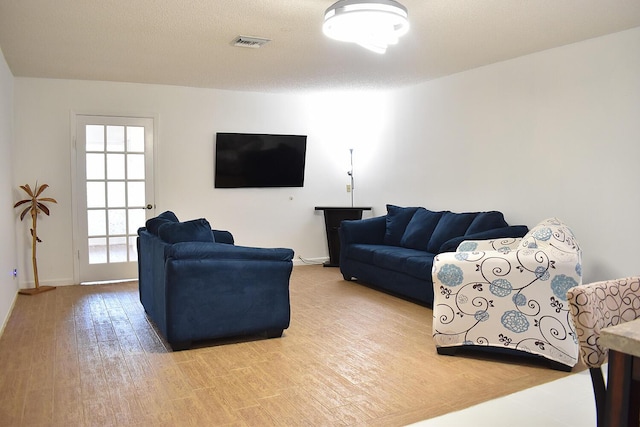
[[333, 216]]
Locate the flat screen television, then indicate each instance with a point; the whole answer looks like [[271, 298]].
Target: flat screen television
[[251, 160]]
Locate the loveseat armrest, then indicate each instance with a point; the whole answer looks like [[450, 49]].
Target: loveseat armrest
[[223, 236], [206, 250], [369, 231]]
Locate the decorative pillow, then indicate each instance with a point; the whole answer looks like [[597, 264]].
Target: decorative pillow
[[153, 224], [450, 225], [420, 229], [512, 231], [487, 221], [196, 230], [397, 220]]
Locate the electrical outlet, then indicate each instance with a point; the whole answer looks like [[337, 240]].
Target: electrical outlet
[[348, 188], [15, 273]]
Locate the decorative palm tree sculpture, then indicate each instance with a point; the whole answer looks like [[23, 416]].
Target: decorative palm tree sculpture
[[36, 205]]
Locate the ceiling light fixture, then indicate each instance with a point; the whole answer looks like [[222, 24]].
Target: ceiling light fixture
[[372, 24]]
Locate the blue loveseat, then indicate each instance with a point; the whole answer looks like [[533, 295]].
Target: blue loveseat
[[395, 252], [195, 284]]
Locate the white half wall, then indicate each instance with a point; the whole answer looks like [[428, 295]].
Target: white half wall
[[549, 134], [8, 258]]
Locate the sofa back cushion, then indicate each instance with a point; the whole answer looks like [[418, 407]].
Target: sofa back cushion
[[153, 224], [450, 225], [397, 220], [420, 228], [486, 221], [196, 230]]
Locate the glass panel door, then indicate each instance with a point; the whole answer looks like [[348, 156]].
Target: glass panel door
[[115, 194]]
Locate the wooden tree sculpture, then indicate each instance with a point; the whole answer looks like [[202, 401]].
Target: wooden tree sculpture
[[36, 205]]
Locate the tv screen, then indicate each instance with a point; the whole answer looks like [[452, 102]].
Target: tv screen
[[259, 160]]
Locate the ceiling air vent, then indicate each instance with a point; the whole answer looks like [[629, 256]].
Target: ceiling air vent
[[251, 42]]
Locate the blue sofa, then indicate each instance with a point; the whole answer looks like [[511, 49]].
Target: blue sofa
[[395, 252], [195, 284]]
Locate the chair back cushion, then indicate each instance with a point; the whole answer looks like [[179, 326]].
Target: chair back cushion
[[553, 234], [598, 305]]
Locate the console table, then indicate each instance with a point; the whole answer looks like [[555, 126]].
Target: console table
[[623, 380], [333, 216]]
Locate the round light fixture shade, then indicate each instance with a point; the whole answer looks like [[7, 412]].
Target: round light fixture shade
[[373, 24]]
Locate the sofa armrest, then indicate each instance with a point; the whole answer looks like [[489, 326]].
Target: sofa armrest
[[223, 236], [370, 231], [222, 251]]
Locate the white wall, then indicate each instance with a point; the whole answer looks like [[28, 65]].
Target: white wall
[[188, 119], [8, 259], [549, 134], [556, 133]]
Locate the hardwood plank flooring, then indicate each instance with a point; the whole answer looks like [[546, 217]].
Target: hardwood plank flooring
[[353, 356]]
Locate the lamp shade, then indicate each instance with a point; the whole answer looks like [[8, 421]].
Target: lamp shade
[[372, 24]]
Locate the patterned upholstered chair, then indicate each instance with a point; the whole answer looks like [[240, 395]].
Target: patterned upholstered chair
[[510, 294], [595, 306]]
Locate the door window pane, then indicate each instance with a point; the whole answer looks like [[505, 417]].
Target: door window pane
[[135, 195], [133, 249], [94, 138], [118, 249], [117, 222], [115, 166], [136, 220], [135, 139], [96, 197], [115, 138], [95, 166], [97, 222], [135, 166], [97, 250], [115, 194]]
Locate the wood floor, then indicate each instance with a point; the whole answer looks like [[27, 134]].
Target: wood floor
[[353, 356]]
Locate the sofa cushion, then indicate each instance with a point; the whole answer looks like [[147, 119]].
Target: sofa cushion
[[450, 225], [153, 224], [513, 231], [397, 220], [420, 228], [394, 257], [196, 230], [486, 221]]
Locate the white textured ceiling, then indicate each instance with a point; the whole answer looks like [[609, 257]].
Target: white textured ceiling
[[189, 42]]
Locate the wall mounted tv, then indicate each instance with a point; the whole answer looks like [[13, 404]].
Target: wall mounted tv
[[250, 160]]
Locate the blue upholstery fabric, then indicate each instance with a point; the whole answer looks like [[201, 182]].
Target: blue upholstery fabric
[[450, 225], [397, 220], [153, 224], [195, 230], [486, 221], [496, 233], [420, 228], [222, 236], [372, 251], [197, 291]]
